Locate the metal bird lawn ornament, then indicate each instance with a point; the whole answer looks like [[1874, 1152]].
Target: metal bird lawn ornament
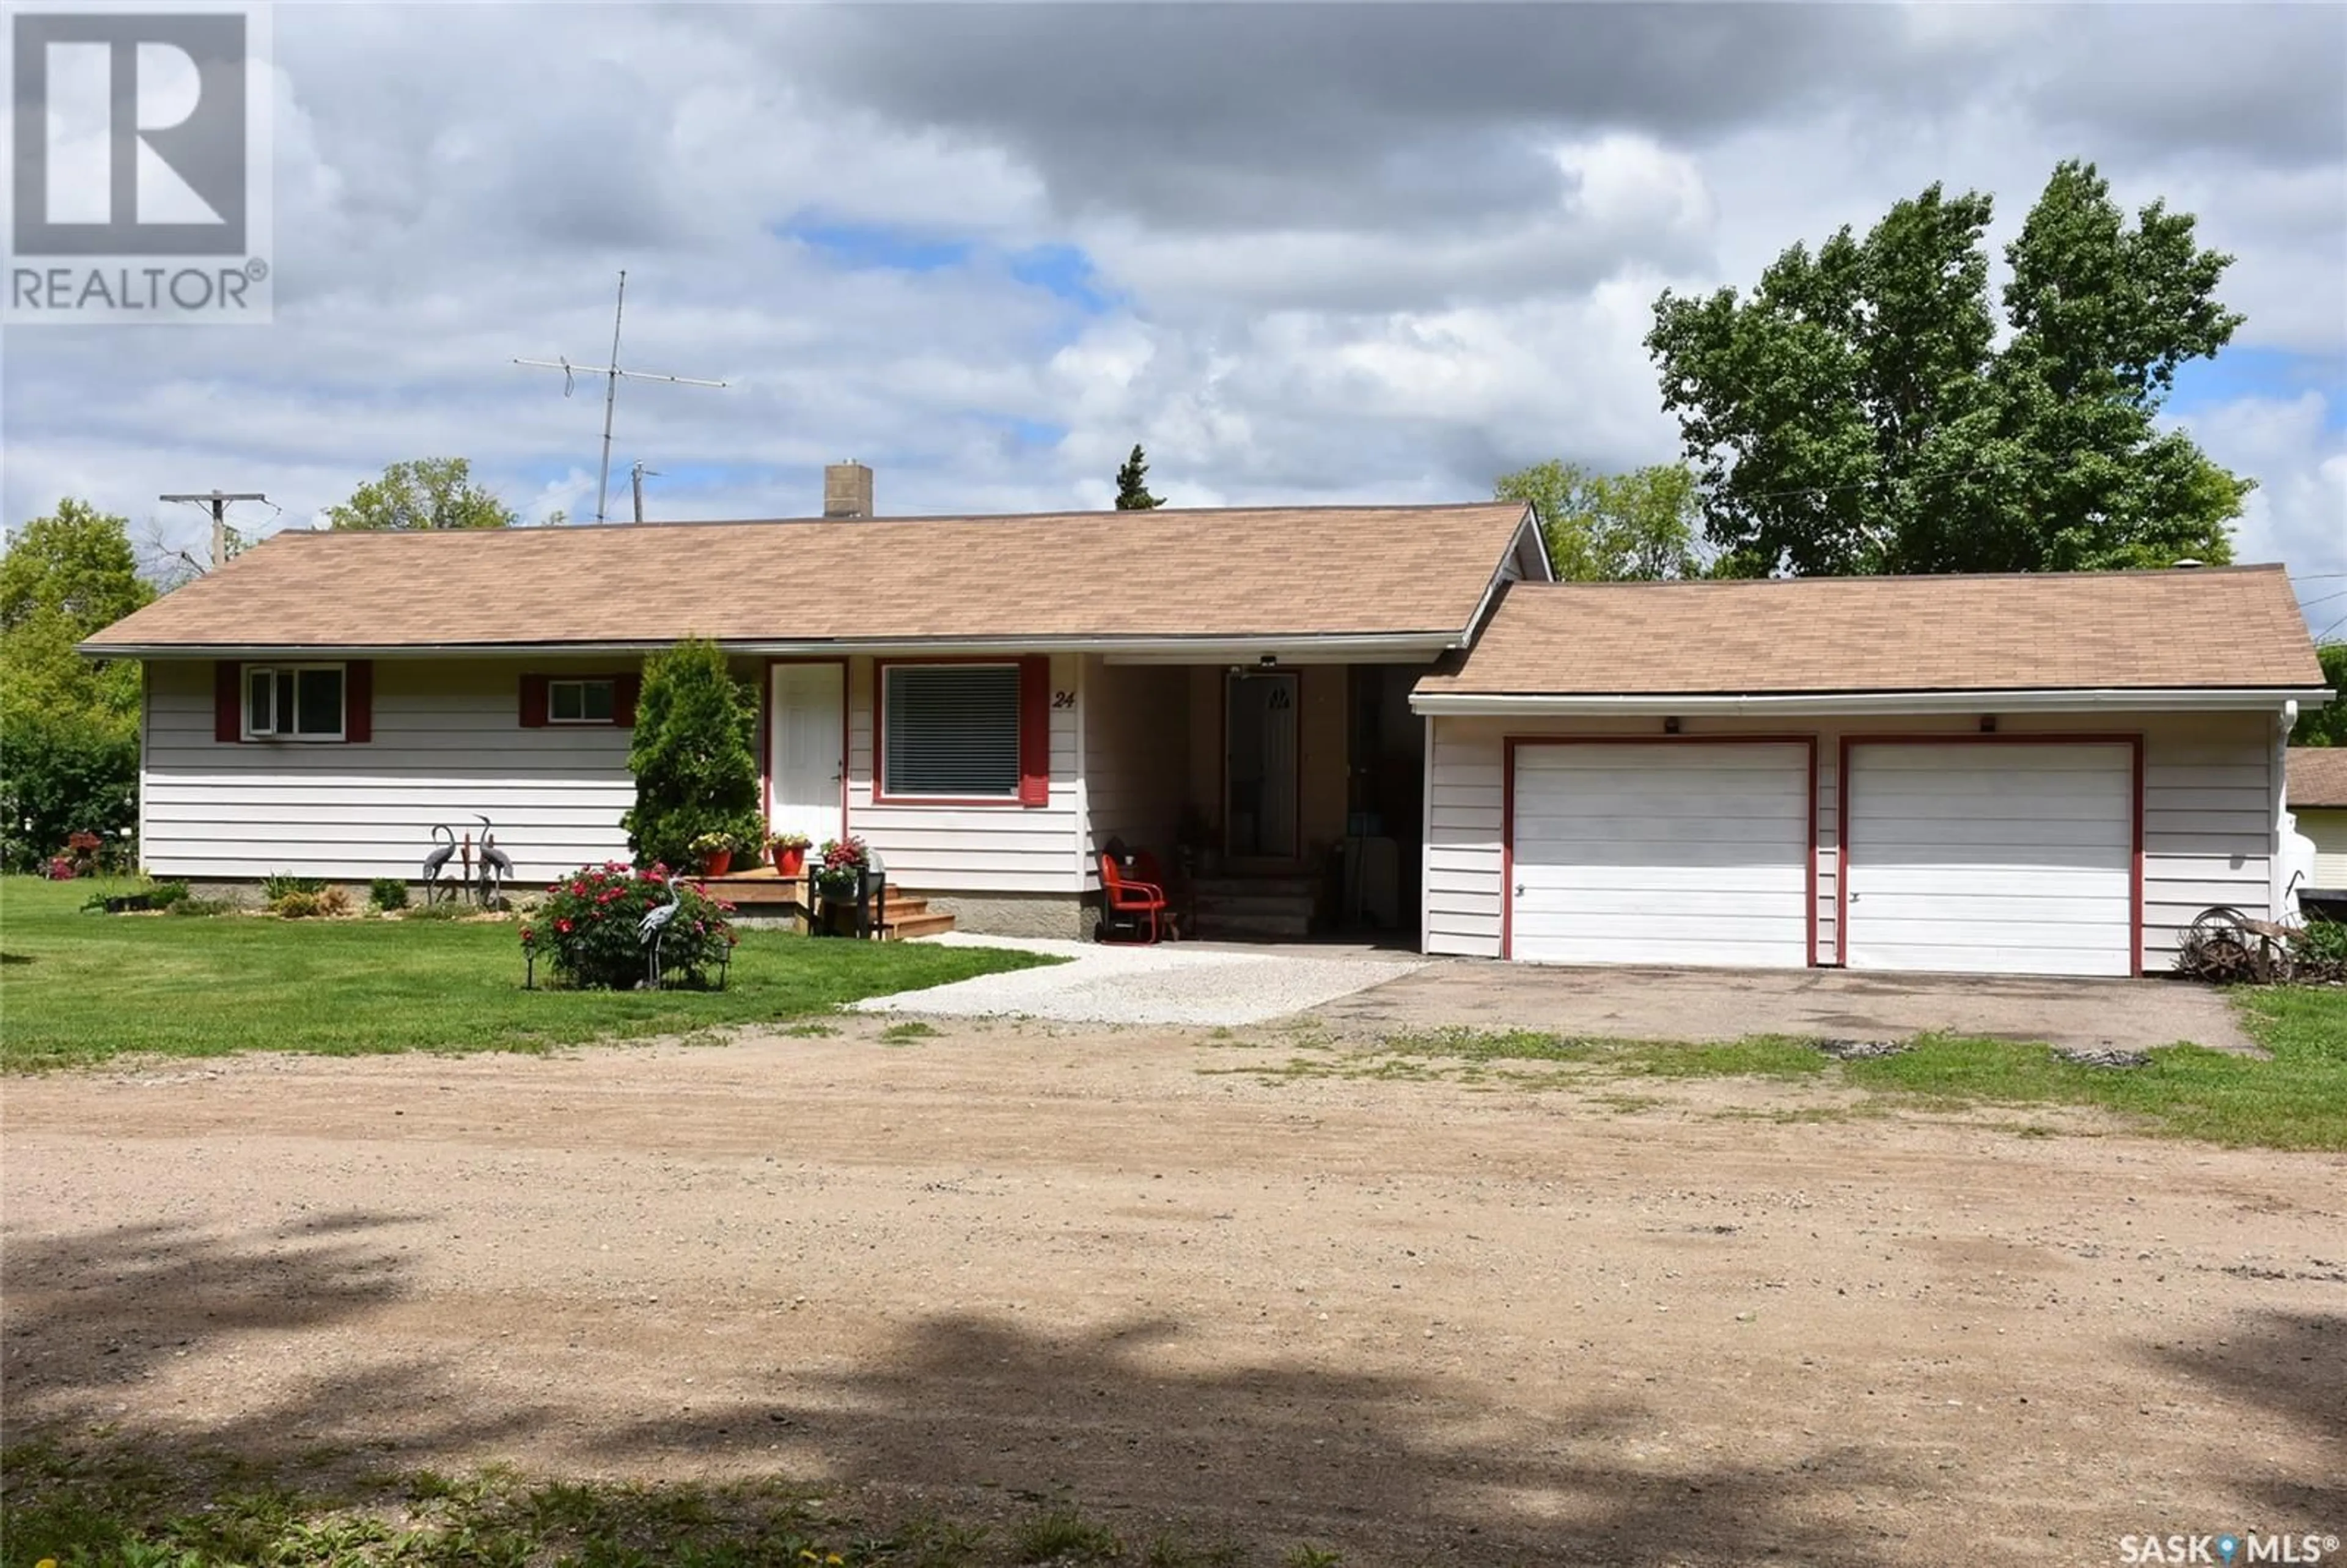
[[652, 928], [437, 860], [496, 865]]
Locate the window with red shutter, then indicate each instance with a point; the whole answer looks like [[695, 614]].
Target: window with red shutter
[[564, 700]]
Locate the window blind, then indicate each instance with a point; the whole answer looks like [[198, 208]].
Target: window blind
[[951, 730]]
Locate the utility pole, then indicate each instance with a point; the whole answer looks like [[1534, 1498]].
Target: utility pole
[[611, 374], [636, 477], [218, 500]]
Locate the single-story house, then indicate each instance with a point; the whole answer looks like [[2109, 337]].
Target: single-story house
[[2318, 798], [1345, 717]]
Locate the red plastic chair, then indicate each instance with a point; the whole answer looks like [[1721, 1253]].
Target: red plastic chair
[[1130, 907]]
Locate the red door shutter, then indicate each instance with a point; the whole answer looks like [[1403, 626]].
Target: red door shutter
[[625, 689], [358, 701], [1035, 730], [228, 700], [533, 702]]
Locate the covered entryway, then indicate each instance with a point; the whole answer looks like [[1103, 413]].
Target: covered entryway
[[1998, 855], [1670, 851]]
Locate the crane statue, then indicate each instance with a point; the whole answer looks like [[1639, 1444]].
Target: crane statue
[[652, 928], [496, 865], [438, 861]]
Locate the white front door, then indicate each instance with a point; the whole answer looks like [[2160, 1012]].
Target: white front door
[[1990, 858], [806, 771], [1661, 852]]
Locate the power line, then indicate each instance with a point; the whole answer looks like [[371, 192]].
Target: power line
[[218, 500]]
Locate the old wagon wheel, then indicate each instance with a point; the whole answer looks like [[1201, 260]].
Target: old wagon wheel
[[2219, 945]]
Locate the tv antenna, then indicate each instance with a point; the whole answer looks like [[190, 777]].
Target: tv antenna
[[612, 374]]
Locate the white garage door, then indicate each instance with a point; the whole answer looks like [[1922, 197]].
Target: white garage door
[[1689, 854], [1992, 859]]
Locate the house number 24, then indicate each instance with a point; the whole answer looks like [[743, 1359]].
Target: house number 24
[[1063, 698]]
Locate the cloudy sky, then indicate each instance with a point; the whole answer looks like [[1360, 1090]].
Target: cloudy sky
[[1304, 254]]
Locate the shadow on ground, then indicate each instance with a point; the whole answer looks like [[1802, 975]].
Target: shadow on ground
[[2292, 1364], [956, 1415]]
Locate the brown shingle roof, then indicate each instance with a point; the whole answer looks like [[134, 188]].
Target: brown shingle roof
[[1295, 571], [2205, 628], [2318, 775]]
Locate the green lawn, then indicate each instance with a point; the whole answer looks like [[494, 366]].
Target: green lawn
[[81, 1504], [79, 988], [2296, 1100]]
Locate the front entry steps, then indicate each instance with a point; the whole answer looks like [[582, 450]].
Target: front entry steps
[[1252, 908], [765, 895]]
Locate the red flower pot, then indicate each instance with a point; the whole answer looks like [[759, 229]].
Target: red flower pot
[[790, 860], [716, 863]]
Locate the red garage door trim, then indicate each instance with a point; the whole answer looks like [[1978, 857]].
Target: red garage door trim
[[2133, 741], [1508, 810]]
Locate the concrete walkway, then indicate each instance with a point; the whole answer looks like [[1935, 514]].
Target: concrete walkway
[[1187, 984], [1727, 1004]]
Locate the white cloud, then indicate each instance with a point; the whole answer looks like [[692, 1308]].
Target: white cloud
[[1376, 253], [2298, 514]]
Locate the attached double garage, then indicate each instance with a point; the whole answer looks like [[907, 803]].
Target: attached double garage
[[1990, 831], [1952, 857]]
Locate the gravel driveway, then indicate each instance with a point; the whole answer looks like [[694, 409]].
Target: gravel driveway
[[1184, 984], [1463, 1325]]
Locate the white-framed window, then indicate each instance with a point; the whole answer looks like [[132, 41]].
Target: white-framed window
[[949, 732], [294, 702], [592, 700]]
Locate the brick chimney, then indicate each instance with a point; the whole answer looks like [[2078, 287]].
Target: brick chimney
[[846, 490]]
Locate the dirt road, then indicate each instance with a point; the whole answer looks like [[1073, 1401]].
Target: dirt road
[[1418, 1321]]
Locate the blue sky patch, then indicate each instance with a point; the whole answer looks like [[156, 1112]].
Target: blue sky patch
[[1064, 271], [877, 246], [2239, 373]]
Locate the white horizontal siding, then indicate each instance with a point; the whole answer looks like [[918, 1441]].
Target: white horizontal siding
[[1008, 848], [1463, 869], [2329, 830], [447, 745], [2211, 808]]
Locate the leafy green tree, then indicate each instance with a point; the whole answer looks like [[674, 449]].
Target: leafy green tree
[[1132, 485], [68, 725], [428, 493], [1858, 413], [2326, 725], [1612, 527], [694, 756]]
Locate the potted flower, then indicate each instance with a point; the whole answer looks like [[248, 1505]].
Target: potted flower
[[790, 852], [716, 852], [838, 877]]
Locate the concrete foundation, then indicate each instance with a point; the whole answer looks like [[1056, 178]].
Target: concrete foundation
[[246, 892], [1060, 915]]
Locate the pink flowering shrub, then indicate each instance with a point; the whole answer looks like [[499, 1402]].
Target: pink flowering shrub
[[588, 928]]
